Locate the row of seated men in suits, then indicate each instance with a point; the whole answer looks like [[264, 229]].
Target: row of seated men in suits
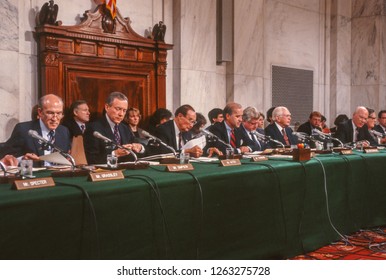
[[235, 130]]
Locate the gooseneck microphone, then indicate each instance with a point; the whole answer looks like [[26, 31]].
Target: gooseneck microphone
[[266, 138], [206, 132], [108, 140], [148, 135], [377, 134], [326, 136], [36, 135]]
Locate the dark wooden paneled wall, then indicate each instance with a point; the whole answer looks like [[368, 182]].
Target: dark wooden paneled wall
[[90, 60]]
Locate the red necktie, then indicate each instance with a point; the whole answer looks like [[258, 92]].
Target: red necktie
[[285, 137], [233, 139]]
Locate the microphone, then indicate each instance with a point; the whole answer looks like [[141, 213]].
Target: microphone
[[208, 133], [377, 134], [326, 136], [267, 138], [108, 140], [35, 134], [104, 138], [148, 135]]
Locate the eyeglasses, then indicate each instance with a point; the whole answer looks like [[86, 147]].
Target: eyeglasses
[[192, 122], [286, 116], [51, 114]]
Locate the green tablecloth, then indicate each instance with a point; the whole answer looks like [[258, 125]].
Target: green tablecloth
[[265, 210]]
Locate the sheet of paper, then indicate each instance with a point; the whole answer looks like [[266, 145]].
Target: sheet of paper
[[200, 142], [55, 158]]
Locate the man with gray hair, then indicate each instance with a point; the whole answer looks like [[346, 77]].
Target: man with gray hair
[[110, 126], [280, 128], [248, 129], [355, 130]]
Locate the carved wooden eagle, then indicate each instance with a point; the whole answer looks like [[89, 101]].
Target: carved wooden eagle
[[159, 31], [48, 13]]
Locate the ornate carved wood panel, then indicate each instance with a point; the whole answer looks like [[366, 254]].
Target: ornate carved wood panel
[[88, 61]]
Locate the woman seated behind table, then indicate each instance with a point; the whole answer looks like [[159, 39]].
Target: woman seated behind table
[[132, 119]]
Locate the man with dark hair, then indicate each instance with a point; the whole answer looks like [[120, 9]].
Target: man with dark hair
[[175, 133], [313, 122], [215, 115], [269, 115], [227, 129], [79, 116], [50, 111], [110, 125]]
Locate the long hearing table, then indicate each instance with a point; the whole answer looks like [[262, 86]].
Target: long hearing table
[[272, 209]]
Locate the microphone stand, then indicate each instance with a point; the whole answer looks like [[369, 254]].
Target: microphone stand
[[267, 139]]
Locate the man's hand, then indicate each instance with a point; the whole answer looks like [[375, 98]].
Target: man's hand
[[9, 160], [244, 149], [214, 151], [31, 156], [196, 151]]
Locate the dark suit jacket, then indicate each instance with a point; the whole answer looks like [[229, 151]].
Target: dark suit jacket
[[272, 131], [345, 133], [21, 142], [219, 129], [379, 128], [307, 128], [95, 149], [166, 133], [73, 127], [259, 146]]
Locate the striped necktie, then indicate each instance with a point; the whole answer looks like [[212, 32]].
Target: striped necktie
[[51, 138], [232, 140]]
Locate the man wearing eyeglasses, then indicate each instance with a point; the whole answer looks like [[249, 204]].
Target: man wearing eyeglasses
[[280, 128], [175, 133], [355, 130], [110, 126], [22, 145]]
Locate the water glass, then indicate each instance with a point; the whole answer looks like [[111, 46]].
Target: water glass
[[184, 158], [229, 152], [112, 161], [26, 166]]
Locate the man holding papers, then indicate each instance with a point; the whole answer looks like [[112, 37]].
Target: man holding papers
[[25, 144], [175, 133]]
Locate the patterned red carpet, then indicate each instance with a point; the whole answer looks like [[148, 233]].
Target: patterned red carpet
[[363, 245]]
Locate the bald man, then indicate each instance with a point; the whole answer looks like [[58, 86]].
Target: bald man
[[22, 145], [355, 130]]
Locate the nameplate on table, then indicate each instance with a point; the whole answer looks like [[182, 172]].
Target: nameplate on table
[[346, 152], [34, 183], [230, 162], [258, 158], [370, 150], [179, 167], [106, 175]]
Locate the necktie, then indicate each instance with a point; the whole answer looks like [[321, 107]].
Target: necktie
[[233, 139], [285, 137], [356, 135], [254, 140], [51, 138], [117, 137], [82, 127], [179, 141]]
